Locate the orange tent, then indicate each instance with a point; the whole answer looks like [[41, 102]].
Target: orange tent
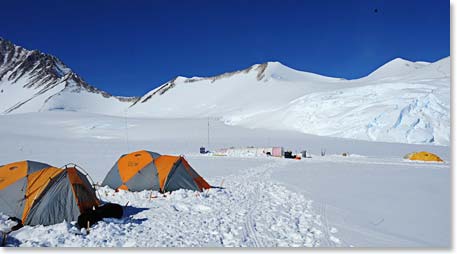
[[145, 170], [37, 193]]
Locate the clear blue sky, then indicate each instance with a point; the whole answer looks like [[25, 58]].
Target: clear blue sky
[[130, 47]]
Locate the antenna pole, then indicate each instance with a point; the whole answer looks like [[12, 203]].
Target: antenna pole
[[126, 130]]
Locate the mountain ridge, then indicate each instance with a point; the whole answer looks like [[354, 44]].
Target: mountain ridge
[[401, 101], [34, 77]]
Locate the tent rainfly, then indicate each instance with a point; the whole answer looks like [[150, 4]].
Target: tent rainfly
[[423, 156], [145, 170], [39, 194]]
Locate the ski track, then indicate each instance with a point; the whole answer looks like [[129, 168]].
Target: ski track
[[249, 225], [323, 214], [250, 211]]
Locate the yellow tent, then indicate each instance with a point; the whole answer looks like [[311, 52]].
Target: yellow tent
[[423, 156]]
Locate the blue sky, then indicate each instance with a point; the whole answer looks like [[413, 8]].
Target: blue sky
[[130, 47]]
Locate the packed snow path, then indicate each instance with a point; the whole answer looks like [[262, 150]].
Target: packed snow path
[[249, 211]]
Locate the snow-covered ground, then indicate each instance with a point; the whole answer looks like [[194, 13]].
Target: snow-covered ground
[[371, 198]]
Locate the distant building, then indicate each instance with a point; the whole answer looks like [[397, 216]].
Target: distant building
[[251, 151]]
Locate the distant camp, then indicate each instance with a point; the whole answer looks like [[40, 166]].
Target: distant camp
[[423, 156], [145, 170], [35, 193]]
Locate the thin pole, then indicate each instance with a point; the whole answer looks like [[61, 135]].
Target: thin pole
[[208, 133], [126, 130]]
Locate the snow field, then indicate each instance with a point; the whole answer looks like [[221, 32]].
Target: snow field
[[246, 212], [373, 197]]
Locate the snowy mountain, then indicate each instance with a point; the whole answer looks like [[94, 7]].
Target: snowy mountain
[[402, 101], [396, 67], [32, 81]]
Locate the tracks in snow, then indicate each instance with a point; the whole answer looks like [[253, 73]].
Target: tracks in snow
[[323, 215], [276, 217], [250, 226], [251, 211]]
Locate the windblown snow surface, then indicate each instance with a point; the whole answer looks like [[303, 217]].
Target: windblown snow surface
[[371, 198]]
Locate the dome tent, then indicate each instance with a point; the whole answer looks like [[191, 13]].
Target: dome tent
[[423, 156], [39, 194], [145, 170]]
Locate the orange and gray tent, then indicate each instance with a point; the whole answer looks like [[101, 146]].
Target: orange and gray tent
[[423, 156], [145, 170], [39, 194]]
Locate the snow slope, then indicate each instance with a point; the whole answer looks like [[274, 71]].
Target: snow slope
[[402, 101], [394, 68], [32, 81], [259, 88], [372, 198], [395, 112]]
